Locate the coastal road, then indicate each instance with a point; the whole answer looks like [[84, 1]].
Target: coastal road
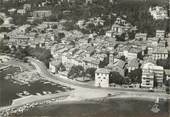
[[43, 71]]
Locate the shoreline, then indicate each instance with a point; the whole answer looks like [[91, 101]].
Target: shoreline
[[68, 100]]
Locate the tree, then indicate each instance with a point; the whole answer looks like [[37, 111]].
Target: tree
[[76, 71], [4, 48], [104, 63], [121, 37], [123, 58], [164, 63], [91, 72], [116, 78], [135, 76], [42, 54]]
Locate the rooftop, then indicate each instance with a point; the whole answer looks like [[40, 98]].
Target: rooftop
[[103, 70]]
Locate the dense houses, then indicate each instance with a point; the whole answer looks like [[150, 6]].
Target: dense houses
[[120, 27], [104, 53], [91, 50]]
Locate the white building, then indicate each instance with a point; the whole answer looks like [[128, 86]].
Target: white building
[[53, 66], [160, 54], [102, 77], [158, 13], [21, 11], [152, 74], [160, 34]]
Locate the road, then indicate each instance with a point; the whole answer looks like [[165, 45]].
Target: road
[[80, 87]]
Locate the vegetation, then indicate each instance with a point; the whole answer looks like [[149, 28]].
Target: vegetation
[[135, 76], [79, 71], [4, 48], [116, 78], [39, 53], [164, 63], [91, 73], [135, 10], [76, 71]]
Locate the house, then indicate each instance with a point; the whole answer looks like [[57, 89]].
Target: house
[[160, 34], [110, 33], [21, 11], [167, 74], [133, 65], [160, 53], [12, 11], [53, 66], [91, 62], [27, 7], [141, 36], [118, 66], [102, 77], [42, 13], [19, 40], [132, 52], [152, 74]]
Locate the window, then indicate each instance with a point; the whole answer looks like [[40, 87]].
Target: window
[[104, 77]]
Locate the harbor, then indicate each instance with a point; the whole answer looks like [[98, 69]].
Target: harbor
[[12, 89]]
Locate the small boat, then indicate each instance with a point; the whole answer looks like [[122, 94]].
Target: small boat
[[39, 94], [49, 92], [157, 100], [44, 92], [26, 93]]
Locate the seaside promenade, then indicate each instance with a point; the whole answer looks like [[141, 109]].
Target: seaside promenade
[[81, 91]]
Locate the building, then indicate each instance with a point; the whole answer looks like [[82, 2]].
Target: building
[[53, 66], [152, 75], [141, 36], [21, 11], [102, 77], [27, 7], [133, 65], [42, 13], [160, 34], [160, 54], [12, 11]]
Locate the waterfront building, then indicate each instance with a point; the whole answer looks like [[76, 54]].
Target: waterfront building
[[102, 77], [152, 74]]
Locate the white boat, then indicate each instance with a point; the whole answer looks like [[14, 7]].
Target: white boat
[[157, 100], [39, 94], [44, 92]]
